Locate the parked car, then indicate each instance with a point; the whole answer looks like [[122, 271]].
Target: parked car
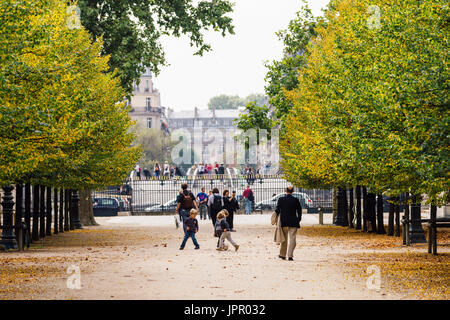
[[271, 204], [166, 207], [106, 207]]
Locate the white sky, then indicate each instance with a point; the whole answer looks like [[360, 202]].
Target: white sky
[[235, 66]]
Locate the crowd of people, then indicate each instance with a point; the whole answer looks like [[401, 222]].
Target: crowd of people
[[220, 208], [164, 170], [168, 170]]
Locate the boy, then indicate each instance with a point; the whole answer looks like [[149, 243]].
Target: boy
[[191, 225], [226, 234]]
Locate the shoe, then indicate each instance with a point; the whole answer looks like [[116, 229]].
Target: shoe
[[291, 259], [196, 248], [281, 257], [181, 248], [236, 247], [219, 249], [225, 248]]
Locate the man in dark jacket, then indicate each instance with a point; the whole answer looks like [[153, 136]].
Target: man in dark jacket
[[290, 211]]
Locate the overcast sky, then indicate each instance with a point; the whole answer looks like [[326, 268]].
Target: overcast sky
[[235, 66]]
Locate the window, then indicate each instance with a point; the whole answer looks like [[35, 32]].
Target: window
[[136, 88], [147, 88], [148, 104], [149, 123]]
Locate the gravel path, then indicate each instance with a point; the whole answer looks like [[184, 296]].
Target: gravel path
[[138, 258]]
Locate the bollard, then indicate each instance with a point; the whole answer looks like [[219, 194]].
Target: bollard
[[8, 238]]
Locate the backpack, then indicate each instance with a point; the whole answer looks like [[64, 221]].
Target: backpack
[[188, 202], [217, 203], [251, 197]]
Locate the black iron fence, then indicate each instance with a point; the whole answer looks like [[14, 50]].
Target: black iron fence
[[158, 194]]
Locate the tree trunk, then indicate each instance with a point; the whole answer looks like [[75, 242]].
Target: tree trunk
[[86, 209], [345, 207], [391, 216], [335, 203], [358, 207], [341, 216], [380, 215], [365, 212], [397, 219], [351, 212], [371, 209]]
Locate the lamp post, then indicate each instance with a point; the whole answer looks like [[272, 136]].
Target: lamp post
[[75, 211], [416, 231], [8, 236]]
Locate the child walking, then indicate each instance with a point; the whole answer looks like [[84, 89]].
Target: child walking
[[191, 225], [218, 228], [226, 234]]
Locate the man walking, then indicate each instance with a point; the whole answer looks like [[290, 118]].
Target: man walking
[[185, 202], [249, 198], [290, 211], [202, 199]]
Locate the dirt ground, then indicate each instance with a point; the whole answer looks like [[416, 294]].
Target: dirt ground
[[140, 259]]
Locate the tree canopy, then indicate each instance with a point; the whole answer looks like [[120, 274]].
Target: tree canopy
[[62, 122], [371, 104], [131, 30], [234, 102]]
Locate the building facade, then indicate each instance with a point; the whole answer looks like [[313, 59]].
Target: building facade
[[145, 104]]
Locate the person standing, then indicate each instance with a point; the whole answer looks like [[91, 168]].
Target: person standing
[[289, 211], [166, 169], [232, 205], [202, 199], [215, 202], [147, 174], [185, 202], [209, 206], [157, 170], [137, 170], [249, 198]]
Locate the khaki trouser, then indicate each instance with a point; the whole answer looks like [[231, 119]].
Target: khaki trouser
[[226, 235], [292, 232]]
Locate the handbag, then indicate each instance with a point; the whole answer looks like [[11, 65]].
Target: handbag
[[274, 218]]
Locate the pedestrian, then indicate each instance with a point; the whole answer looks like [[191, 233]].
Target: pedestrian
[[226, 234], [202, 199], [210, 193], [249, 198], [218, 228], [156, 170], [166, 172], [221, 169], [137, 170], [185, 202], [191, 224], [231, 205], [147, 173], [289, 211], [215, 202]]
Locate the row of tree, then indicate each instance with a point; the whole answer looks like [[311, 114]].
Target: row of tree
[[61, 122], [361, 98], [65, 67]]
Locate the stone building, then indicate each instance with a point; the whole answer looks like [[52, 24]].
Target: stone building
[[146, 104]]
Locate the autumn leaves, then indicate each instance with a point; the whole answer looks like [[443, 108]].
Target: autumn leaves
[[62, 122], [371, 105]]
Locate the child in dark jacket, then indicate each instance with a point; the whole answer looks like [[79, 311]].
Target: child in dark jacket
[[226, 234], [191, 225]]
